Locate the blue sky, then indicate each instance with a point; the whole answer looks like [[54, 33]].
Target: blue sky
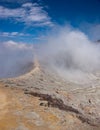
[[31, 20]]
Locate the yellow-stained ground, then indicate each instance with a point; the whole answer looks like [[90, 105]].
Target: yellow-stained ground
[[23, 112]]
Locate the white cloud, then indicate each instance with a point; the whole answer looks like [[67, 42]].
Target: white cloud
[[27, 5], [13, 34], [14, 45], [4, 34], [22, 36], [15, 1], [28, 13]]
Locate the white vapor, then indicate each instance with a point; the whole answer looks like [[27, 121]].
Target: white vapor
[[71, 54], [15, 59], [66, 52]]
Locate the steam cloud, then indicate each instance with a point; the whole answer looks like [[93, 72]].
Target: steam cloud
[[67, 52], [15, 59], [71, 54]]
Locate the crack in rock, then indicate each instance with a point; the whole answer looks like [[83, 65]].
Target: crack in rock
[[58, 103]]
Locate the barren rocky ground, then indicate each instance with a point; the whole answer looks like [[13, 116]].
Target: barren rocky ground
[[40, 100]]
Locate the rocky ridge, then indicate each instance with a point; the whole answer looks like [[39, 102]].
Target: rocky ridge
[[81, 101]]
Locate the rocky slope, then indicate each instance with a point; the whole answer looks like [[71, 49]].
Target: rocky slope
[[43, 100]]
